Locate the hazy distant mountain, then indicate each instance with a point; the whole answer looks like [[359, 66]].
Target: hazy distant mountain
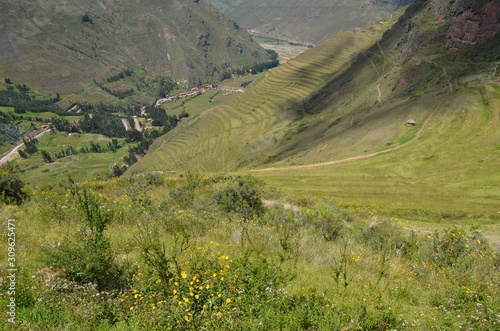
[[307, 20]]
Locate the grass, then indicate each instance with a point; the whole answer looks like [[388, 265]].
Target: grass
[[190, 262], [79, 167], [434, 173]]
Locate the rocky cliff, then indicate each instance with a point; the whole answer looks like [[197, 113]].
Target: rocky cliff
[[473, 24]]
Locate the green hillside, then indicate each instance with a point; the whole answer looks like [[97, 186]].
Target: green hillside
[[261, 119], [356, 187], [56, 46], [318, 108], [306, 21]]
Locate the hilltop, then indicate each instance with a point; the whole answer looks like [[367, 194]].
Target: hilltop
[[57, 47], [306, 21]]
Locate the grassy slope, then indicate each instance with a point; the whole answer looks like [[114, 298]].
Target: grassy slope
[[360, 111], [48, 47], [253, 125], [79, 167], [452, 166]]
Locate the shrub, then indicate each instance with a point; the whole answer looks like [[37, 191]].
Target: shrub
[[388, 237], [331, 220], [11, 187], [87, 257], [239, 194]]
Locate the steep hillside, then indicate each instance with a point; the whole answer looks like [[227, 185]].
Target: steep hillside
[[253, 126], [359, 109], [306, 21], [54, 45]]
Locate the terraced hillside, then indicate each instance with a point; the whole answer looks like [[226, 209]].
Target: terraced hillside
[[258, 121], [447, 161]]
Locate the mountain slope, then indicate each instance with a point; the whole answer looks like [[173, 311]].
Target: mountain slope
[[254, 125], [306, 21], [56, 45], [338, 110]]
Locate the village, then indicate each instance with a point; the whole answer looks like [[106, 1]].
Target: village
[[195, 91]]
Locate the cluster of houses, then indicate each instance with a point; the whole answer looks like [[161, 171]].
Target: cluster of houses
[[195, 91]]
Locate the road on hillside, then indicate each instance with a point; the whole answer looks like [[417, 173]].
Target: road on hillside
[[126, 124], [137, 125], [13, 153]]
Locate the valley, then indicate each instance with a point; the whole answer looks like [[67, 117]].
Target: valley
[[251, 166]]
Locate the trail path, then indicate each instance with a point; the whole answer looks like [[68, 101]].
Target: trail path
[[13, 153], [355, 158]]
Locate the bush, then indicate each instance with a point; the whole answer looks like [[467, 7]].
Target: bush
[[11, 187], [240, 195], [329, 219], [87, 257]]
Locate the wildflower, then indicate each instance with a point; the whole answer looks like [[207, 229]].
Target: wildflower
[[228, 300], [186, 318], [183, 274]]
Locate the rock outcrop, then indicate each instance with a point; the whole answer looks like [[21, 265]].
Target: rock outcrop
[[470, 26]]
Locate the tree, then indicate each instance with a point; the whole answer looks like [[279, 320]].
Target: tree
[[87, 19], [22, 153], [46, 156], [11, 187]]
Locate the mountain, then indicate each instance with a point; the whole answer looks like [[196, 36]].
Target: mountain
[[56, 45], [307, 21], [330, 97]]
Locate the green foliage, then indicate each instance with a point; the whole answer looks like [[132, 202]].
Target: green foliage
[[30, 146], [455, 247], [11, 187], [331, 220], [239, 194], [46, 156], [200, 266], [87, 257], [388, 237], [87, 19]]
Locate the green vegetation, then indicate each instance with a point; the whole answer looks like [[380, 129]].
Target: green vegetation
[[265, 112], [358, 218], [157, 252], [11, 186]]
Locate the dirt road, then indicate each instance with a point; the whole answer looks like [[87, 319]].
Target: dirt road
[[13, 153]]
